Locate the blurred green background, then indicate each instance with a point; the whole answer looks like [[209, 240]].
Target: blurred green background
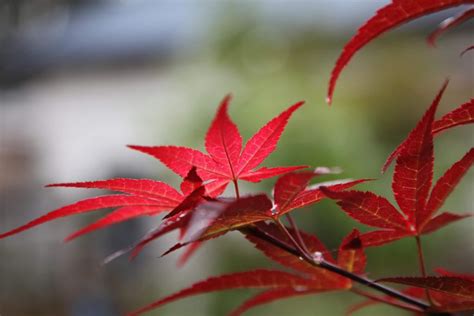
[[79, 80]]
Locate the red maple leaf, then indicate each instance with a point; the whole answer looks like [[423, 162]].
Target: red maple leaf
[[226, 160], [411, 187], [279, 284], [390, 16], [142, 197]]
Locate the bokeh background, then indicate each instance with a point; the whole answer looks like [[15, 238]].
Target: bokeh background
[[81, 79]]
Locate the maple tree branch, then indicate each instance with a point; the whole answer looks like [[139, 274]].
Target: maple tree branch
[[421, 261], [382, 300], [252, 230]]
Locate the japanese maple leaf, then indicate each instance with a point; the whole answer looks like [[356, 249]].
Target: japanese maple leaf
[[292, 191], [139, 197], [411, 187], [226, 160], [390, 16], [278, 284]]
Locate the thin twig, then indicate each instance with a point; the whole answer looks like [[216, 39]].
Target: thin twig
[[297, 232], [334, 268], [382, 300], [285, 231]]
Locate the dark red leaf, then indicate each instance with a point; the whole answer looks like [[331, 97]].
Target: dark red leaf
[[466, 50], [141, 187], [223, 140], [369, 209], [442, 220], [87, 205], [269, 296], [380, 237], [351, 256], [449, 23], [457, 286], [288, 187], [249, 279], [242, 212], [414, 166], [190, 202], [191, 182], [386, 18], [313, 194], [117, 216], [264, 142], [444, 186], [464, 114]]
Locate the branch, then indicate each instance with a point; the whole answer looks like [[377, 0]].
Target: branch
[[321, 263]]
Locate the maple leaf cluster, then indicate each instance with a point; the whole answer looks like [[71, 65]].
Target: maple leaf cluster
[[200, 211]]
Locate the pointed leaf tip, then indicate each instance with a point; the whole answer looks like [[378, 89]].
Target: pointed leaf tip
[[449, 23], [432, 110], [388, 17], [265, 141]]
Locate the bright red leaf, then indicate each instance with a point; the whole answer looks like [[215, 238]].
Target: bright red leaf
[[91, 204], [117, 216], [140, 187], [449, 23], [386, 18], [227, 162], [411, 187]]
